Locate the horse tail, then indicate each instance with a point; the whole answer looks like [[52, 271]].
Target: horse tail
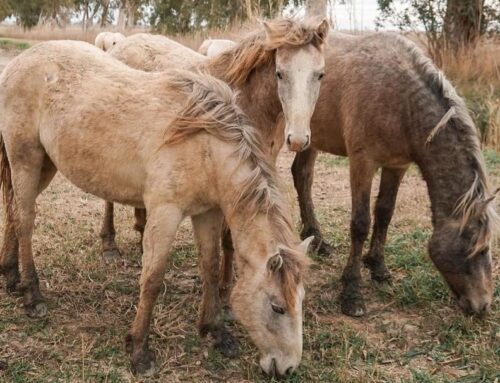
[[5, 175]]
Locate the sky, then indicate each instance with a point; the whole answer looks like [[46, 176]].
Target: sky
[[352, 15], [355, 15]]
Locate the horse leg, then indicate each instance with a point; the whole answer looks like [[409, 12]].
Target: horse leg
[[110, 251], [226, 267], [140, 222], [9, 253], [303, 173], [361, 175], [207, 229], [9, 261], [159, 234], [384, 208], [31, 173]]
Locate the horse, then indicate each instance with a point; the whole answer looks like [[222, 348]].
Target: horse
[[212, 47], [384, 104], [277, 71], [106, 40], [175, 143]]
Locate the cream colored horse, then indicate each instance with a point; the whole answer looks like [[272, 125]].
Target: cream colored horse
[[106, 40], [212, 47], [277, 71], [174, 143]]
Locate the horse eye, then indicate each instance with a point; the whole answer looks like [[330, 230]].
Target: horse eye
[[279, 75], [320, 76], [277, 309]]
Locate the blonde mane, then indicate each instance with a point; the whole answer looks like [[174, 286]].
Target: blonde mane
[[476, 203], [236, 64], [212, 107]]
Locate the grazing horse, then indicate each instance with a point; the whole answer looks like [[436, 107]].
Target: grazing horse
[[107, 40], [384, 104], [277, 71], [174, 143], [212, 47]]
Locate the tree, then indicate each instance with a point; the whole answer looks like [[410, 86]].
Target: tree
[[316, 8], [181, 16], [448, 24], [462, 22]]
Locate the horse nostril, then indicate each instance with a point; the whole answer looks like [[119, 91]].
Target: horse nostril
[[485, 309], [273, 371], [289, 370], [308, 141], [288, 140]]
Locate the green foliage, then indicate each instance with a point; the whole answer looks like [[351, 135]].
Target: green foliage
[[448, 24], [9, 44], [181, 16]]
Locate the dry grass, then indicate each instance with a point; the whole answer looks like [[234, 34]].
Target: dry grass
[[412, 333], [476, 73], [47, 32]]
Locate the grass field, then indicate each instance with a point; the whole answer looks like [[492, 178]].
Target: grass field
[[413, 331]]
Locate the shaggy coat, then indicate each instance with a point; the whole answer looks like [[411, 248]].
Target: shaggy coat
[[175, 143]]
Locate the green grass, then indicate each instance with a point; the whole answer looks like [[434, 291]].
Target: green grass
[[413, 331], [332, 161], [492, 159], [11, 44]]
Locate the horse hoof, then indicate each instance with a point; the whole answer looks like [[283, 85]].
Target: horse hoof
[[323, 249], [37, 310], [378, 270], [13, 280], [144, 364], [353, 308], [382, 278], [111, 256], [228, 346], [352, 302], [13, 289]]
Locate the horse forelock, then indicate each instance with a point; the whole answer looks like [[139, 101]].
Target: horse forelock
[[291, 275], [258, 49], [475, 204], [211, 106]]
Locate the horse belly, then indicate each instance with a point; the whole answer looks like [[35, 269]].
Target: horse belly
[[105, 169]]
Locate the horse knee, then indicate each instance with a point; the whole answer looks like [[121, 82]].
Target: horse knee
[[360, 226]]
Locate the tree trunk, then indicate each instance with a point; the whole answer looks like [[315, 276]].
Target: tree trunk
[[248, 6], [462, 23], [316, 8], [105, 12], [122, 16]]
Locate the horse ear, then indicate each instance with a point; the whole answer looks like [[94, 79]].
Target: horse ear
[[274, 263], [304, 245], [267, 28], [483, 205], [322, 30]]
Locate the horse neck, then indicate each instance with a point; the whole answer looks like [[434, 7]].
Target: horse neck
[[449, 164], [253, 239], [258, 98]]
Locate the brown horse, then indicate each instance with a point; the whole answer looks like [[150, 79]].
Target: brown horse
[[174, 143], [384, 104], [277, 71]]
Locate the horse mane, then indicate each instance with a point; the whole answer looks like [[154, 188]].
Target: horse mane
[[235, 65], [291, 272], [212, 107], [475, 203]]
